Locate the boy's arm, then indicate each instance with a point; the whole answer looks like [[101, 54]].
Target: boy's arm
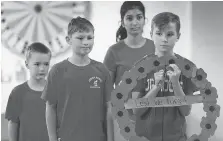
[[13, 130], [109, 78], [178, 91], [13, 110], [50, 94], [151, 94], [51, 121], [110, 124]]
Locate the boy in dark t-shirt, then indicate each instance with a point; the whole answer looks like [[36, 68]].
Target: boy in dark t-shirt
[[25, 109], [164, 123], [78, 90]]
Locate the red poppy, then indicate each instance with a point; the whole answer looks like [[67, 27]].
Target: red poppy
[[208, 126], [187, 68], [117, 98], [210, 94], [128, 131], [200, 79], [212, 110]]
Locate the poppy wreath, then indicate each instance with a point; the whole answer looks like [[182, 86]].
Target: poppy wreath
[[208, 96]]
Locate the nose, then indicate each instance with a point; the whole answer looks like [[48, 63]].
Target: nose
[[42, 67], [164, 38], [85, 42], [134, 21]]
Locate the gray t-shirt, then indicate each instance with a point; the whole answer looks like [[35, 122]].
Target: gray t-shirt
[[121, 58], [26, 108], [80, 95]]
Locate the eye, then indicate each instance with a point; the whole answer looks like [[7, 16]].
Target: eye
[[46, 64], [139, 17], [80, 38], [89, 38], [37, 64], [170, 34], [129, 18], [158, 33]]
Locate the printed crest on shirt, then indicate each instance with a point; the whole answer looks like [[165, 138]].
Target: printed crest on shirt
[[167, 87], [95, 82]]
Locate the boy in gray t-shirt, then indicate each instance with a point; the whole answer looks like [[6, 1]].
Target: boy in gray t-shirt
[[78, 90], [25, 109]]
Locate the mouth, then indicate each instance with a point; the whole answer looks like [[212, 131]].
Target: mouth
[[164, 45], [135, 29], [85, 47], [42, 74]]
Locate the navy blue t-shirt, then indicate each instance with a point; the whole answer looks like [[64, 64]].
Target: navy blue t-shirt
[[26, 108], [80, 94]]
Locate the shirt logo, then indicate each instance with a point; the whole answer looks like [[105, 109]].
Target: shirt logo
[[167, 87], [95, 82]]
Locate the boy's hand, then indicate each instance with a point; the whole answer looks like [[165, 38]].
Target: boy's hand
[[159, 76], [174, 75]]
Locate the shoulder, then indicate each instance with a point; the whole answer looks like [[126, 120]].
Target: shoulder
[[150, 42], [148, 56], [19, 90], [100, 66], [117, 46], [185, 59], [59, 67]]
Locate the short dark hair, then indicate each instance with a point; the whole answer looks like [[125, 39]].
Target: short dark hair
[[37, 47], [79, 24], [161, 20]]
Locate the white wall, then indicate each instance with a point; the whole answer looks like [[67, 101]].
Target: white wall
[[207, 53]]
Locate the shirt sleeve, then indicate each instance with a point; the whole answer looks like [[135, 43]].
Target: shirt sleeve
[[13, 108], [50, 92], [190, 87], [109, 60]]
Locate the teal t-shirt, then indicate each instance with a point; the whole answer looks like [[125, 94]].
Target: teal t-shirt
[[162, 123], [80, 94], [26, 108], [121, 58]]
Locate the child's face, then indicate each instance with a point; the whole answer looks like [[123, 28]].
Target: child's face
[[81, 42], [38, 65], [165, 39], [134, 22]]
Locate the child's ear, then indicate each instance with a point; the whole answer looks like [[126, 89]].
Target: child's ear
[[27, 66], [68, 40], [122, 23], [178, 36], [151, 34]]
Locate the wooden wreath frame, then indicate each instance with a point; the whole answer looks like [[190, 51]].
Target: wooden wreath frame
[[208, 96]]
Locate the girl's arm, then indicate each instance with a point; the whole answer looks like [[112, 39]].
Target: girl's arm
[[112, 74], [51, 121], [13, 130]]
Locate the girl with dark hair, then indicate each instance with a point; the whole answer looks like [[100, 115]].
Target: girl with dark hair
[[130, 47]]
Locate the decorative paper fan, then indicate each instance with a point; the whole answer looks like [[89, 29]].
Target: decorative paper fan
[[42, 21]]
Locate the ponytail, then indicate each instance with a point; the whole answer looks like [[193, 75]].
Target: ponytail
[[121, 33]]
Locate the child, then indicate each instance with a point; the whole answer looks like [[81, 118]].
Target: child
[[77, 91], [130, 46], [25, 110], [164, 123]]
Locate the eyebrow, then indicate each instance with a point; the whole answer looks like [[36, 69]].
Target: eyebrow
[[136, 15]]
